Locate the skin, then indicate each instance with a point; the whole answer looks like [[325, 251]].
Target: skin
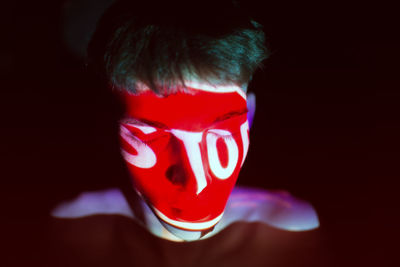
[[167, 141], [170, 147], [185, 164]]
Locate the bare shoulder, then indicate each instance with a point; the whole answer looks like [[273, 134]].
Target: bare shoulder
[[278, 209], [109, 201]]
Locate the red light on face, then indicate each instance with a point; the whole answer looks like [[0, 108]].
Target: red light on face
[[222, 152], [184, 152]]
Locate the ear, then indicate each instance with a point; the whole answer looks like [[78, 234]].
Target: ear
[[251, 107]]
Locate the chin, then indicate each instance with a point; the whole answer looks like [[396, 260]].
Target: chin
[[186, 235], [187, 231]]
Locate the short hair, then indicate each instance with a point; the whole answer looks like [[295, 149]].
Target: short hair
[[161, 45]]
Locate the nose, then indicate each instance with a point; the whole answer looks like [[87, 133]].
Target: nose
[[176, 174], [191, 142]]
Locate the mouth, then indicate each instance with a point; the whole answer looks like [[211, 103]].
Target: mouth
[[189, 226]]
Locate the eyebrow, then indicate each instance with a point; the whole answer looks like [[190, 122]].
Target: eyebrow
[[144, 122], [230, 115], [160, 125]]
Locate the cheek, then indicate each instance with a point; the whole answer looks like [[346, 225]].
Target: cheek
[[223, 155], [244, 134], [148, 171], [135, 152], [223, 152]]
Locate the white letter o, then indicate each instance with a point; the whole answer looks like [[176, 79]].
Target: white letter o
[[213, 158]]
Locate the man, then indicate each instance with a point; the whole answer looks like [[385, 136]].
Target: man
[[182, 77]]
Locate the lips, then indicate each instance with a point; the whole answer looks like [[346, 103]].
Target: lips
[[185, 225], [188, 211]]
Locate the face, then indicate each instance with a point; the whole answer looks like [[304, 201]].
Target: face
[[184, 151]]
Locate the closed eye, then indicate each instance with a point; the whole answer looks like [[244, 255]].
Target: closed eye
[[226, 135], [130, 138]]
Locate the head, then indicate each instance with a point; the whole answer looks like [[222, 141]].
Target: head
[[182, 76]]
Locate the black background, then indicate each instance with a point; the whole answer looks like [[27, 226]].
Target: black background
[[326, 126]]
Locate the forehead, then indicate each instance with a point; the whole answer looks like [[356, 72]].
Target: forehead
[[194, 109]]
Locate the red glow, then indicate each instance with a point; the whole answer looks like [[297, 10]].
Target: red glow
[[172, 184], [222, 152]]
